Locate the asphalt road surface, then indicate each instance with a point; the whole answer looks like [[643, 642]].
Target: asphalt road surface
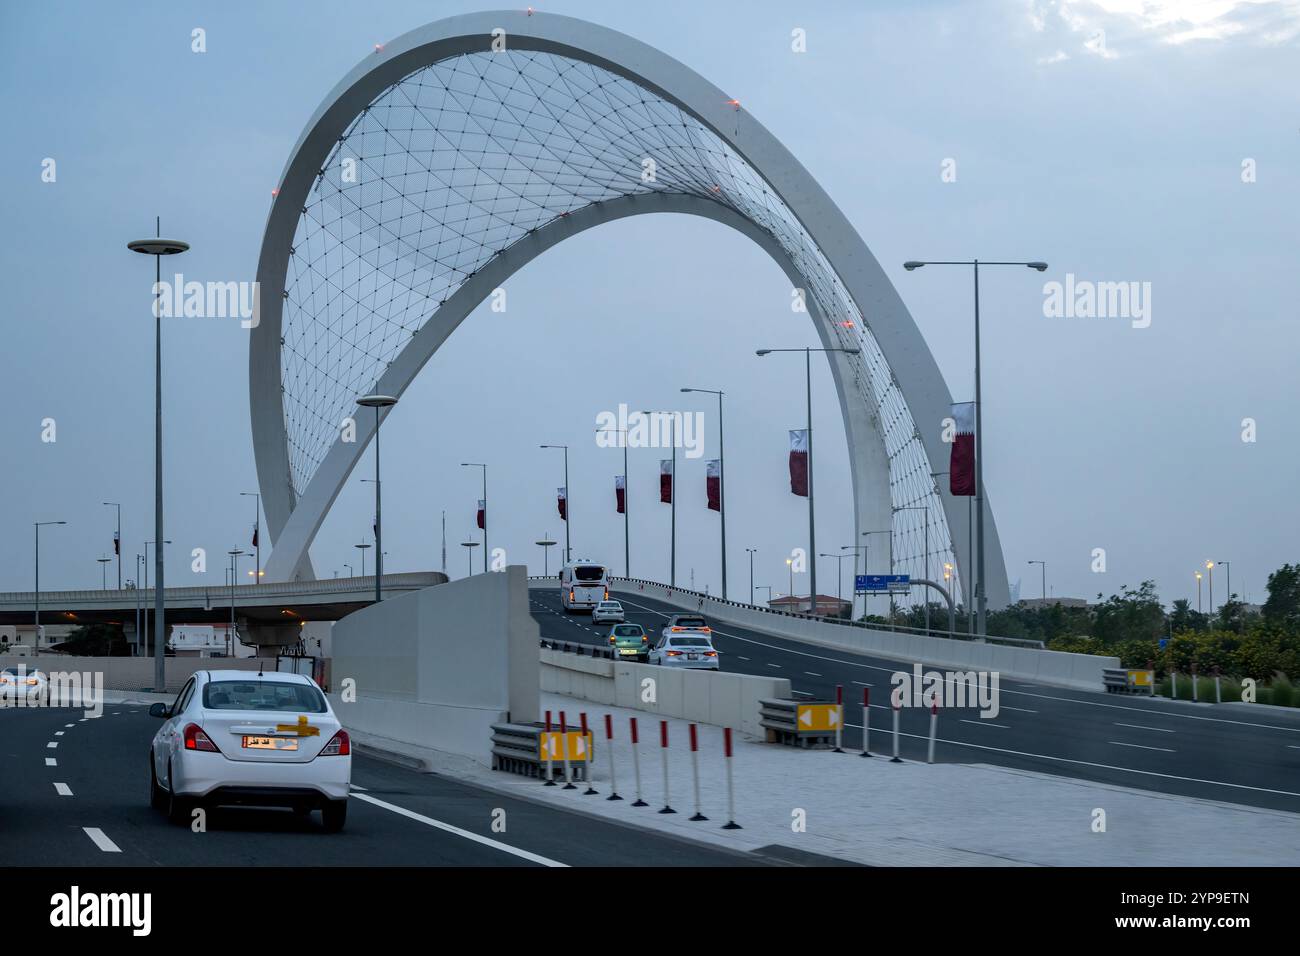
[[1232, 754], [74, 792]]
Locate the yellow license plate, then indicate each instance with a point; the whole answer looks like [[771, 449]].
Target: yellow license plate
[[270, 743]]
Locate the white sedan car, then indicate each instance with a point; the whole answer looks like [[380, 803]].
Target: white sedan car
[[24, 685], [607, 612], [685, 650], [238, 738]]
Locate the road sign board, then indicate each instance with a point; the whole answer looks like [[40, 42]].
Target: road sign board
[[818, 716], [557, 743], [882, 582]]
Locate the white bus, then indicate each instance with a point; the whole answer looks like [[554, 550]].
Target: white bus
[[583, 585]]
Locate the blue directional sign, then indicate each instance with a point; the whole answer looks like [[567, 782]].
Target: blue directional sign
[[882, 582]]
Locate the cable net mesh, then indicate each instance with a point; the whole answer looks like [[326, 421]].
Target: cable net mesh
[[462, 158]]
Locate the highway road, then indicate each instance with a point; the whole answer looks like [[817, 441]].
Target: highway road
[[74, 792], [1235, 754]]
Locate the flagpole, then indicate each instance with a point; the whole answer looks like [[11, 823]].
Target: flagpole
[[627, 551]]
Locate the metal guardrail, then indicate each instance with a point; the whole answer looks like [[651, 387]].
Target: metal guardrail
[[517, 748], [582, 650], [780, 718]]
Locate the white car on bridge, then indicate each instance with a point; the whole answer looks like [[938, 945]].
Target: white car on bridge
[[693, 650], [239, 738]]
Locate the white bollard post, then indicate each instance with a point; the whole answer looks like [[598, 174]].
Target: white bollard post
[[590, 755], [663, 746], [839, 718], [550, 752], [934, 726], [866, 721], [1195, 683], [564, 742], [731, 789], [1218, 690], [695, 767], [636, 764], [609, 745], [896, 758]]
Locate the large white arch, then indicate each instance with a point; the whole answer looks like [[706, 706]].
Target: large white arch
[[832, 259]]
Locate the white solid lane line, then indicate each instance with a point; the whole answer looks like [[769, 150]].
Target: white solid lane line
[[51, 762], [457, 831], [1163, 730], [101, 840], [63, 790], [1120, 743]]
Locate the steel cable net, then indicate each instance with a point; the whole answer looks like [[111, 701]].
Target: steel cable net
[[462, 158]]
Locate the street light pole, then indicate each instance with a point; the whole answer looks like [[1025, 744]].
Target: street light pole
[[568, 503], [117, 542], [812, 528], [1198, 592], [981, 585], [362, 548], [158, 247], [377, 402], [752, 552], [546, 544], [36, 640], [234, 576], [1228, 567], [1044, 569], [257, 531], [469, 547], [1209, 566], [103, 573], [857, 549], [627, 553], [476, 464], [722, 485], [927, 556]]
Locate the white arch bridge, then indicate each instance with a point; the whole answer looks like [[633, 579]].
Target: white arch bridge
[[459, 152]]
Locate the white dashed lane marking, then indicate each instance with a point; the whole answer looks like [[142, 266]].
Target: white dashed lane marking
[[101, 840], [1120, 743], [984, 723], [51, 762], [52, 744], [63, 790], [1162, 730]]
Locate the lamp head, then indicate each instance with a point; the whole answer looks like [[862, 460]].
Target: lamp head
[[912, 265]]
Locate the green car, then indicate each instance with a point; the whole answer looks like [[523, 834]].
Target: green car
[[629, 642]]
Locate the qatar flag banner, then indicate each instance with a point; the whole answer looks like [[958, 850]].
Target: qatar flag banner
[[713, 483], [961, 467], [799, 463], [562, 503], [620, 493], [481, 508], [666, 481]]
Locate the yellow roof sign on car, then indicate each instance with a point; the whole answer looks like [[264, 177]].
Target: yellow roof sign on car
[[303, 728]]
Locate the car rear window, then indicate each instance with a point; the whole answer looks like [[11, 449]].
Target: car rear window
[[588, 572], [689, 622], [690, 642], [262, 695], [627, 630], [611, 606]]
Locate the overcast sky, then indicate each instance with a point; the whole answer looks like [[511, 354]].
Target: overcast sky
[[1109, 138]]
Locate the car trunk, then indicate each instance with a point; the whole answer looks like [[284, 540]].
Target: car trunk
[[262, 735]]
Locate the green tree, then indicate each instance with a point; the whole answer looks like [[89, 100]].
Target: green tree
[[1282, 608], [96, 640]]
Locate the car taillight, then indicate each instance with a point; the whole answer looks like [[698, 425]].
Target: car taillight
[[340, 745], [674, 653], [196, 739], [644, 639], [710, 653], [570, 594], [606, 594], [611, 638], [32, 682], [706, 630], [676, 629]]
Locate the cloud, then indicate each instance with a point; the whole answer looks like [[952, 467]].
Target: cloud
[[1108, 25], [1056, 57]]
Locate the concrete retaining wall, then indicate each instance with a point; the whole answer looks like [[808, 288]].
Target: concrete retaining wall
[[1080, 671], [136, 673], [436, 668], [723, 699]]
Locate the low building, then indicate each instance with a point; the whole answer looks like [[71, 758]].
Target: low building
[[827, 606]]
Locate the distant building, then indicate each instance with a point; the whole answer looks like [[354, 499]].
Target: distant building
[[827, 606], [205, 640]]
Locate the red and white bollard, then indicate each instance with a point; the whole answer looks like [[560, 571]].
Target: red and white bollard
[[934, 726], [866, 721], [550, 752], [609, 745], [731, 789], [695, 767], [839, 718], [586, 767], [663, 746], [636, 764], [564, 742], [896, 758]]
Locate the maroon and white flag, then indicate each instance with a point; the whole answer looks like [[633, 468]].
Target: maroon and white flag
[[713, 483], [117, 544], [799, 463], [482, 506], [666, 480], [255, 536], [562, 503], [961, 467], [620, 493]]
